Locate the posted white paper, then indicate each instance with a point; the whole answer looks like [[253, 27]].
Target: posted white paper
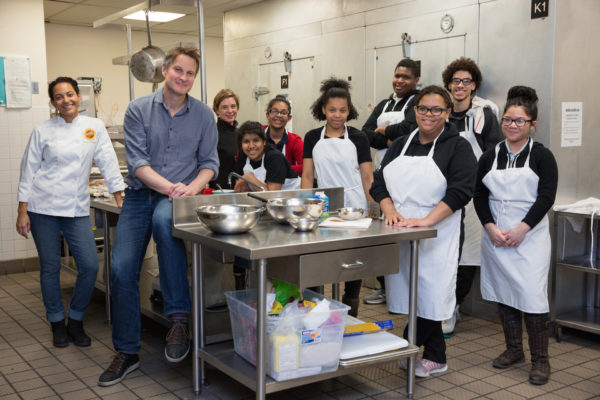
[[572, 122], [17, 77]]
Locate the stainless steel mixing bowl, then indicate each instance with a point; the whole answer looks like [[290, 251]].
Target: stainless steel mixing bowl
[[350, 213], [229, 218], [304, 224], [282, 209]]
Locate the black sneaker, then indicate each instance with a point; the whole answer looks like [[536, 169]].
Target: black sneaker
[[178, 342], [121, 365], [76, 333], [60, 338]]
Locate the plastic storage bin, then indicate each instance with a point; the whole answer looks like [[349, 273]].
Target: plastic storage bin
[[296, 346]]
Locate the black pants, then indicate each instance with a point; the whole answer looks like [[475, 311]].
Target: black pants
[[430, 336], [381, 280]]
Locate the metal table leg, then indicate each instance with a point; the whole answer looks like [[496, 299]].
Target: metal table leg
[[107, 256], [198, 318], [261, 386], [412, 313]]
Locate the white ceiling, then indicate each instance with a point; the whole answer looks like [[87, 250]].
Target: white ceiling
[[85, 12]]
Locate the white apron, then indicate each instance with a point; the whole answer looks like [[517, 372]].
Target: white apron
[[386, 119], [336, 164], [416, 186], [515, 276], [261, 174], [471, 251]]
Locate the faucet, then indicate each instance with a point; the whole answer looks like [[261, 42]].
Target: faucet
[[236, 175]]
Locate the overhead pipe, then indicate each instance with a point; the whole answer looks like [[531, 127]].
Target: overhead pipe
[[201, 44]]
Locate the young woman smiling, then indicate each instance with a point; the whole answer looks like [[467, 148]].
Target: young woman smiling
[[425, 179], [226, 104], [54, 200], [516, 186], [261, 163], [339, 155], [279, 113]]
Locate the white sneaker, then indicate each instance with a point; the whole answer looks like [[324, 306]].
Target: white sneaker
[[377, 297], [427, 367], [449, 325]]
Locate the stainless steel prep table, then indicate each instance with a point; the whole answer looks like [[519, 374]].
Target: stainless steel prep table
[[291, 253]]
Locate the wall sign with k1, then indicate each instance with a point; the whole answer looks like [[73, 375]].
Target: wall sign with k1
[[539, 8]]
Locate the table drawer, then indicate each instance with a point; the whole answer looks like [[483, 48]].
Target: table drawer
[[335, 266]]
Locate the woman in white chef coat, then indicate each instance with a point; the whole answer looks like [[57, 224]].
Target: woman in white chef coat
[[54, 198], [338, 155], [261, 163], [516, 186], [425, 179]]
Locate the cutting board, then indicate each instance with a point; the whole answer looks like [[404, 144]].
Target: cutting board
[[368, 344]]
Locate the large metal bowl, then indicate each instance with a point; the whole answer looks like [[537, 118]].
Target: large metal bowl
[[282, 209], [229, 218]]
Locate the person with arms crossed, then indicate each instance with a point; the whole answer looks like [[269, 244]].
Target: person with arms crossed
[[171, 147]]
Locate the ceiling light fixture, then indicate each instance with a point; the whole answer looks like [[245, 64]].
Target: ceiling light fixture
[[154, 16]]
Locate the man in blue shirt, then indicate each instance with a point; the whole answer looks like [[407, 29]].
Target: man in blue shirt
[[171, 148]]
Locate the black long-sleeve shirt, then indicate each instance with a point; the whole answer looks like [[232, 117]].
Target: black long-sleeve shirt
[[377, 140], [452, 154], [227, 148], [541, 162], [490, 134]]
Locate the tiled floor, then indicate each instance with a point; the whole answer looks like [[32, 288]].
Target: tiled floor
[[30, 368]]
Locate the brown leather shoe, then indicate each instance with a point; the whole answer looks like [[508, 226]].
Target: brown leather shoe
[[539, 333], [508, 358], [512, 326], [540, 372]]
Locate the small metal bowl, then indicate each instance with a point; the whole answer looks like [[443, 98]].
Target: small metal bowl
[[284, 209], [229, 218], [304, 224], [350, 213]]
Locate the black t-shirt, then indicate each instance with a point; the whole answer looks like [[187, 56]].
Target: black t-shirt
[[541, 162], [277, 166], [452, 154], [377, 140], [357, 137], [491, 132]]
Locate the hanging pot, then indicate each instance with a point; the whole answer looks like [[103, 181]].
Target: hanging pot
[[146, 64]]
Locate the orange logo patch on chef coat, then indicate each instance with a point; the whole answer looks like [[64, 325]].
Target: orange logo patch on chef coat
[[89, 134]]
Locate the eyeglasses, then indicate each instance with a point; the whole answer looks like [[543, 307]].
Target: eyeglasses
[[435, 111], [273, 112], [519, 122], [465, 81]]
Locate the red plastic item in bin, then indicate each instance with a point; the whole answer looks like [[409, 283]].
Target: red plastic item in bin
[[207, 191]]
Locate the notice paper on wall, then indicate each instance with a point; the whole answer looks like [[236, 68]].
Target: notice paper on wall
[[17, 82], [572, 122], [2, 91]]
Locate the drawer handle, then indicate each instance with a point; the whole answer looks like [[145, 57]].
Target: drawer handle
[[355, 265]]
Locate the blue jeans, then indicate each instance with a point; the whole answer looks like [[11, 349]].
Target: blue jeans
[[46, 230], [145, 213]]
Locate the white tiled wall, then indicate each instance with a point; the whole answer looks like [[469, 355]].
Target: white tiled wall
[[15, 128]]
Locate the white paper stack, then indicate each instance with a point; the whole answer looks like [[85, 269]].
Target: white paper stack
[[337, 222]]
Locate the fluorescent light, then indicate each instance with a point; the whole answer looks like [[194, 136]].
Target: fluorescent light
[[154, 16]]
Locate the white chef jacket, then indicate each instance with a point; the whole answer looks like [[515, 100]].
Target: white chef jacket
[[55, 169]]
